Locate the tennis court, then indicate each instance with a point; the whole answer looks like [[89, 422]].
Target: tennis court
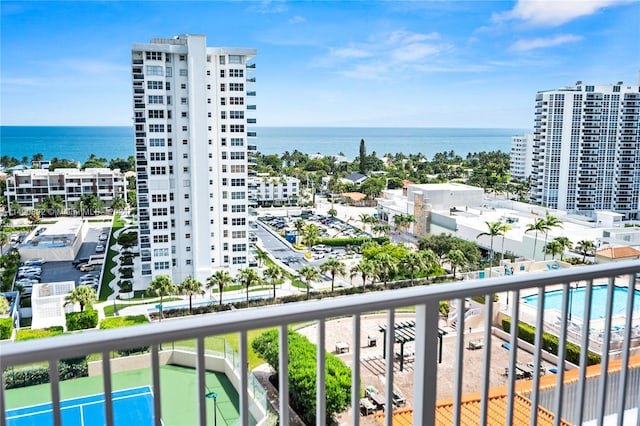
[[130, 407], [178, 396]]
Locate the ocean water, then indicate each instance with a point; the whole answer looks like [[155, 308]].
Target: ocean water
[[78, 143]]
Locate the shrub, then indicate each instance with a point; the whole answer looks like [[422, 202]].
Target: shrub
[[38, 333], [6, 328], [126, 272], [444, 308], [343, 242], [481, 299], [550, 342], [302, 374], [125, 286], [68, 369], [82, 320], [126, 260]]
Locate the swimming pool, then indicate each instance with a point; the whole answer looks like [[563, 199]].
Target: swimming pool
[[553, 300]]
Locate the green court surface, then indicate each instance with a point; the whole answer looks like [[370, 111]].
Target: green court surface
[[178, 394]]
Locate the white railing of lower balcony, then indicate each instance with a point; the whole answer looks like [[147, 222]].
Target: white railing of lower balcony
[[426, 300]]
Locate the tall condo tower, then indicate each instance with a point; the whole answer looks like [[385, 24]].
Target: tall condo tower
[[191, 106], [586, 149]]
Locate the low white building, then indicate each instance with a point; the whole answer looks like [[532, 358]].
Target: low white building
[[420, 199], [29, 187], [48, 304], [269, 190]]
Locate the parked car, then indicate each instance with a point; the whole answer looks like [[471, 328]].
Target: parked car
[[102, 237], [99, 248], [87, 267], [34, 262], [80, 261]]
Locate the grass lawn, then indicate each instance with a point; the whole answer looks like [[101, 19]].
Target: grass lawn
[[216, 343]]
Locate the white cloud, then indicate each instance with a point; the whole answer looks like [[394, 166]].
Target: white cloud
[[385, 53], [297, 20], [539, 43], [552, 13]]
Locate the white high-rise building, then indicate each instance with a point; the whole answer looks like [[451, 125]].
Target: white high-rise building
[[586, 149], [521, 156], [191, 108]]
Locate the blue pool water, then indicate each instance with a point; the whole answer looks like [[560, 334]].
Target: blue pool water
[[553, 300]]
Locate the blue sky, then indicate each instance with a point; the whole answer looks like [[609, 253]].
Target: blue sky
[[324, 63]]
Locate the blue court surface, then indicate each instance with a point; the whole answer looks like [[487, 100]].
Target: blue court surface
[[130, 407]]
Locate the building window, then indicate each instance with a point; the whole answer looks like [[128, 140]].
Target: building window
[[235, 59], [223, 101], [168, 72], [156, 128], [236, 115], [156, 99], [155, 113], [221, 60], [236, 73], [156, 142], [237, 128], [236, 100], [236, 87], [221, 73], [222, 87], [223, 115], [187, 236], [184, 128], [237, 155], [154, 56], [154, 85], [183, 72], [183, 85], [154, 70], [237, 142], [183, 101]]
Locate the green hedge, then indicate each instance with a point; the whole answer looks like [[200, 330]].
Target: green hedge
[[39, 333], [82, 320], [550, 342], [6, 328], [68, 369], [302, 374], [343, 242]]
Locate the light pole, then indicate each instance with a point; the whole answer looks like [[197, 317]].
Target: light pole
[[213, 395]]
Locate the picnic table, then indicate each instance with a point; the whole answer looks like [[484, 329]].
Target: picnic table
[[398, 398], [367, 407], [378, 400], [342, 347]]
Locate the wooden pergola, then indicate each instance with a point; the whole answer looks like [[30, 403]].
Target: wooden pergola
[[405, 332]]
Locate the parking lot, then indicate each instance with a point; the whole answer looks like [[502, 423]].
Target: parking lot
[[56, 271]]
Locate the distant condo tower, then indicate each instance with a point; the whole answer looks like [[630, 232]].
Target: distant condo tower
[[191, 105], [521, 156], [586, 149]]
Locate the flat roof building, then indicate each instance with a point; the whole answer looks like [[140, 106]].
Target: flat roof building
[[192, 109], [586, 149]]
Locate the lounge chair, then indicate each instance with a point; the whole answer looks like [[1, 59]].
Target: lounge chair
[[398, 398], [367, 407]]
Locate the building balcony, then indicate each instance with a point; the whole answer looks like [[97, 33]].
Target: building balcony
[[251, 93], [251, 66], [574, 393], [251, 107], [251, 121], [251, 80], [252, 134]]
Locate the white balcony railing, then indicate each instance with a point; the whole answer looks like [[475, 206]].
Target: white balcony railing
[[426, 300]]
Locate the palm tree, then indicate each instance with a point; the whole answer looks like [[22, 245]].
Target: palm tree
[[299, 225], [310, 234], [565, 243], [456, 259], [385, 267], [333, 266], [380, 229], [553, 248], [84, 295], [504, 228], [4, 239], [247, 277], [429, 258], [273, 274], [365, 219], [261, 257], [118, 203], [365, 268], [403, 221], [219, 278], [494, 230], [413, 262], [191, 287], [4, 305], [585, 247], [162, 286], [551, 222], [309, 274], [538, 225]]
